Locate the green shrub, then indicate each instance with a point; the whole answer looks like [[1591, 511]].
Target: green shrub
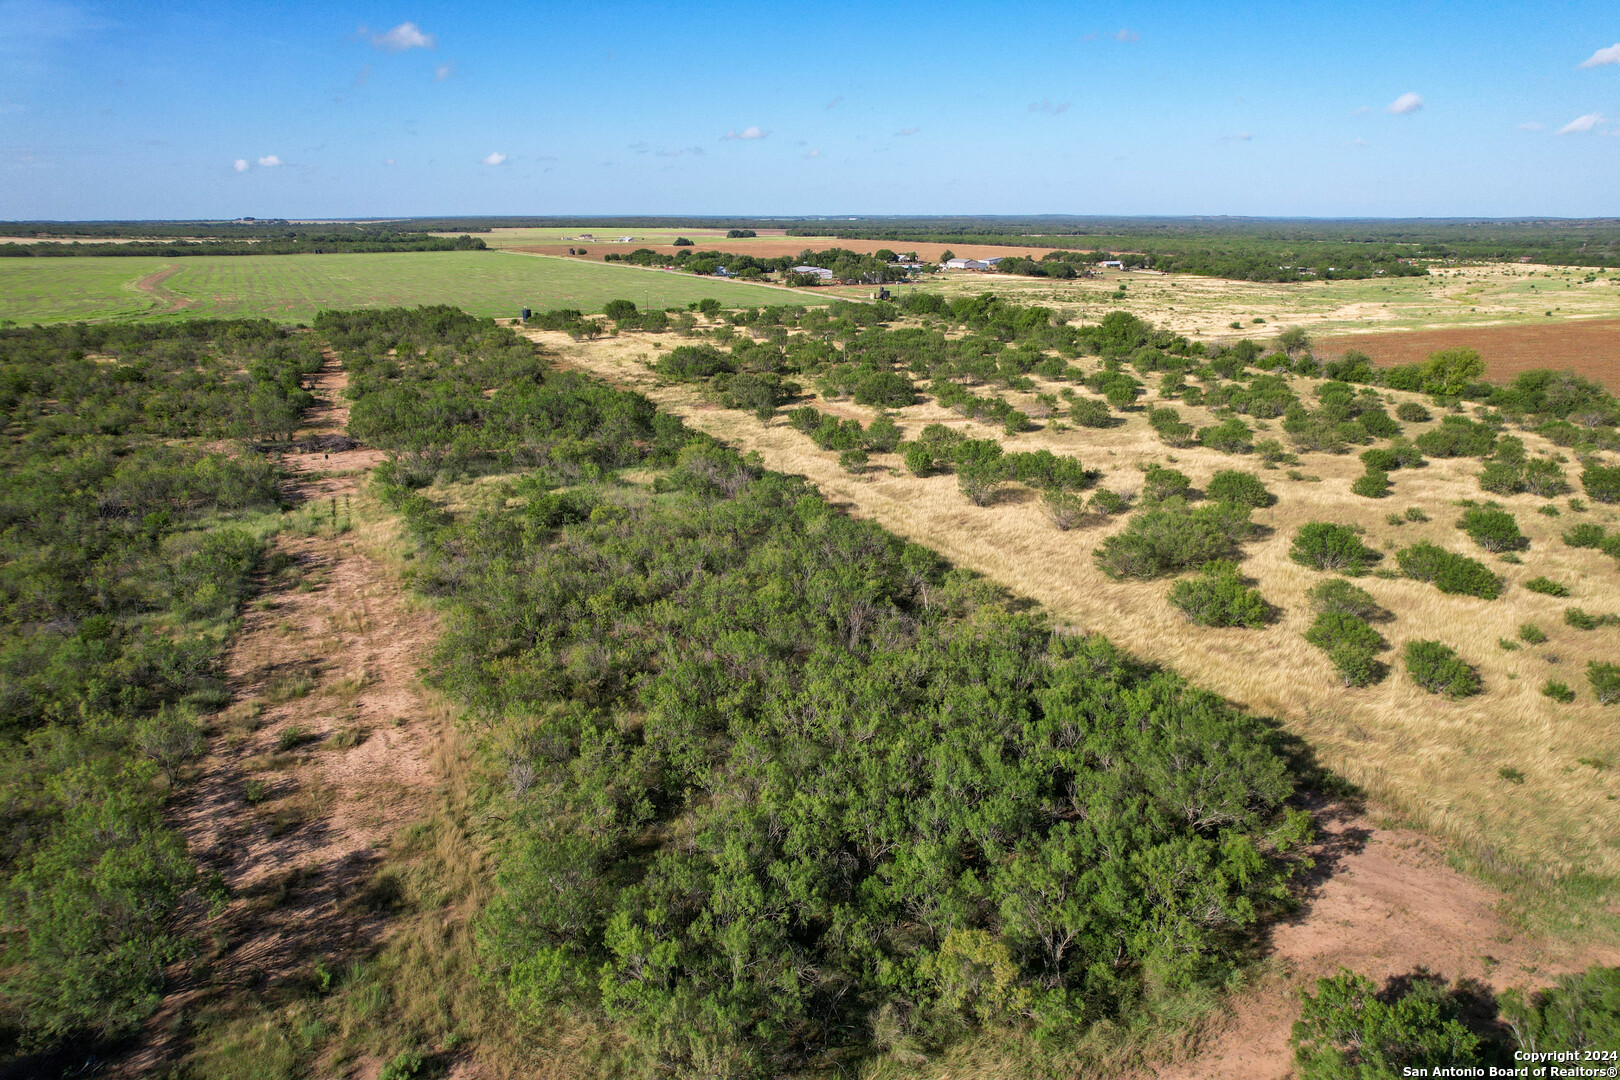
[[1451, 573], [883, 435], [1493, 530], [1415, 514], [1373, 484], [1347, 1030], [1231, 437], [1108, 502], [1439, 670], [1171, 539], [1601, 483], [1532, 633], [1557, 691], [1218, 597], [1578, 1014], [1323, 545], [1380, 459], [1089, 412], [1512, 776], [1065, 508], [1546, 586], [1507, 644], [853, 461], [1351, 645], [1605, 680], [1585, 534], [1337, 594], [919, 459], [1582, 620], [1159, 483], [1167, 422], [1231, 485], [1457, 436], [1412, 412]]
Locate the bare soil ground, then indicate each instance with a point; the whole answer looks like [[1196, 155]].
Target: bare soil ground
[[153, 284], [1383, 902], [1590, 347], [326, 751]]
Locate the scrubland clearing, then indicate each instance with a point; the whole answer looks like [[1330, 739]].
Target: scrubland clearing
[[1482, 295], [1437, 760]]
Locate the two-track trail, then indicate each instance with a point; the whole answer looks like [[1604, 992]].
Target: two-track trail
[[328, 747]]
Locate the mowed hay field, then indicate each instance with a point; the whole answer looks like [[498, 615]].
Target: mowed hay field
[[292, 288], [53, 290], [1590, 347], [1437, 760]]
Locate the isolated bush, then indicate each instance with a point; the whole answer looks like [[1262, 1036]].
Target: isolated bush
[[1449, 572], [1532, 633], [1546, 586], [1089, 412], [1351, 645], [1457, 436], [1580, 1013], [979, 469], [1218, 597], [883, 435], [1493, 530], [1601, 483], [1231, 485], [1378, 423], [1372, 484], [1347, 1030], [1381, 459], [919, 459], [1415, 513], [1605, 680], [1584, 620], [1586, 534], [853, 461], [1171, 539], [1108, 502], [689, 363], [1412, 412], [1159, 483], [1167, 422], [889, 389], [1323, 545], [1338, 595], [1438, 669], [1557, 691], [1065, 508], [1231, 437]]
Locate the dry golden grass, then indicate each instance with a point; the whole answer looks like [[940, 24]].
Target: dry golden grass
[[1434, 759]]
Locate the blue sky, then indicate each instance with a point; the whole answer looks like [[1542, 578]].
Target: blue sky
[[185, 110]]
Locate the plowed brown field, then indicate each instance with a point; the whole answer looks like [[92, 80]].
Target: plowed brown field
[[1590, 347]]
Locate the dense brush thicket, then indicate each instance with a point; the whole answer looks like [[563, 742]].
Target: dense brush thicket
[[125, 548], [783, 787]]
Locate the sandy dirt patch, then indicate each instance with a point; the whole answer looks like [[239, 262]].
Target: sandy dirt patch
[[1590, 347]]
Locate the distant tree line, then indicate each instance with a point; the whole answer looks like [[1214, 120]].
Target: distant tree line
[[292, 244], [846, 265]]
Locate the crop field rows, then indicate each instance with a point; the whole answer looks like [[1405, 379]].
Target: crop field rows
[[293, 288]]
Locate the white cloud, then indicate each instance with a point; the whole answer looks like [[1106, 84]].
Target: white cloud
[[1611, 55], [1357, 142], [1244, 136], [751, 132], [1581, 123], [444, 71], [908, 131], [1361, 111], [813, 154], [1406, 103], [1531, 125], [1045, 105], [388, 161], [405, 36], [496, 158], [240, 165], [1126, 34], [835, 102], [270, 161]]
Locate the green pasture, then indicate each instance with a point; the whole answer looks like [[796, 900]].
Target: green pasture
[[292, 288]]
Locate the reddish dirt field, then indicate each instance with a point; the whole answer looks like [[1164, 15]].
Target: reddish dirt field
[[1588, 347]]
